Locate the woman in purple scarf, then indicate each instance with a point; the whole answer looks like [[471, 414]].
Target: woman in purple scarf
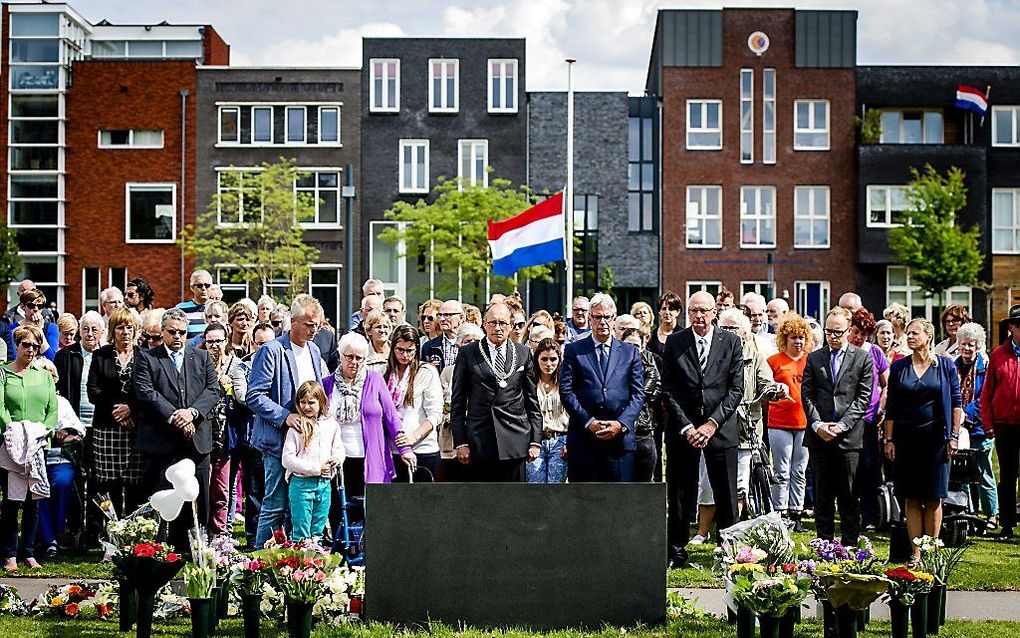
[[362, 405]]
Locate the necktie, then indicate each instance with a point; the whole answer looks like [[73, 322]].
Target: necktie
[[604, 359], [702, 353], [177, 359], [835, 365], [500, 359]]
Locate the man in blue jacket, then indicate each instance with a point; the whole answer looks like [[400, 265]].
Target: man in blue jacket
[[602, 389], [279, 369]]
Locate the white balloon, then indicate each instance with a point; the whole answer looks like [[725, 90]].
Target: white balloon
[[180, 471], [188, 490], [168, 503]]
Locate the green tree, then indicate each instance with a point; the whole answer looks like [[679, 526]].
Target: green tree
[[254, 224], [10, 259], [938, 250], [451, 233]]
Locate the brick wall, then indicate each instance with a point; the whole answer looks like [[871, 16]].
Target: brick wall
[[217, 52], [125, 95]]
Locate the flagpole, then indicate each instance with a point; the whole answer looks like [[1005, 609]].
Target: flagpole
[[988, 92], [568, 192]]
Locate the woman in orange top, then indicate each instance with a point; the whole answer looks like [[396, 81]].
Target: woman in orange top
[[786, 418]]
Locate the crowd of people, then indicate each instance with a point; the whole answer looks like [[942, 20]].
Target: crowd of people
[[276, 407]]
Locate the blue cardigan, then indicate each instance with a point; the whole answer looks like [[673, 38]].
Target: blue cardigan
[[949, 381], [50, 332], [972, 411]]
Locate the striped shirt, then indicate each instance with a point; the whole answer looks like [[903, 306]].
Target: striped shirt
[[196, 317], [85, 407]]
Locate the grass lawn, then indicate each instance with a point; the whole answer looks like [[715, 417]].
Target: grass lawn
[[688, 628]]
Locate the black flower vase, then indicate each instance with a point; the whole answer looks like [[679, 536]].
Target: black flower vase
[[919, 617], [222, 600], [899, 617], [251, 614], [745, 622], [214, 621], [768, 626], [128, 604], [829, 629], [201, 609], [788, 622], [942, 608], [846, 622], [299, 619], [863, 616], [146, 607], [935, 608]]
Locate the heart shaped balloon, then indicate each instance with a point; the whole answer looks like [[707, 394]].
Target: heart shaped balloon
[[168, 503]]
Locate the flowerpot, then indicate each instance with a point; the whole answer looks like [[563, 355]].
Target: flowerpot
[[942, 609], [863, 618], [222, 600], [745, 622], [829, 629], [299, 619], [146, 607], [731, 616], [201, 608], [148, 576], [214, 620], [768, 626], [251, 614], [899, 618], [846, 622], [788, 622], [919, 617], [128, 604], [934, 609]]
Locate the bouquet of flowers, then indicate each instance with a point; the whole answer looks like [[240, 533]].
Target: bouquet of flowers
[[939, 560], [766, 536], [78, 600], [226, 554], [845, 576], [170, 605], [769, 594], [11, 603], [907, 585], [199, 580], [249, 574]]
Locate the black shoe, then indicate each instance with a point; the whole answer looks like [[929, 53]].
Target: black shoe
[[1006, 534], [678, 560]]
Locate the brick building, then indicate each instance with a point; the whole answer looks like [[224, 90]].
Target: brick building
[[757, 151]]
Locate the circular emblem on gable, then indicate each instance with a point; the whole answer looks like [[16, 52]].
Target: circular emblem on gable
[[758, 42]]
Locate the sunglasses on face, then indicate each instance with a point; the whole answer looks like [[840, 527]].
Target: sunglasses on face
[[215, 342], [275, 324], [832, 332], [730, 328], [202, 286], [28, 345], [519, 324], [37, 306], [149, 337], [175, 332], [428, 318]]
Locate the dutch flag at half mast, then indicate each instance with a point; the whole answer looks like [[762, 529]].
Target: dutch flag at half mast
[[971, 99], [532, 238]]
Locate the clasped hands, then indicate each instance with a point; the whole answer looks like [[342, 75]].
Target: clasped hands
[[606, 430], [829, 431], [122, 415], [184, 421], [698, 436]]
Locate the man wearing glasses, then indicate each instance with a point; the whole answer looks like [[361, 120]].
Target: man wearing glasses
[[578, 325], [836, 393], [194, 308], [442, 351], [702, 386]]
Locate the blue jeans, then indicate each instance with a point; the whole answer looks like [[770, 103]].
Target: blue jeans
[[309, 505], [986, 496], [550, 466], [53, 511], [789, 464], [273, 515]]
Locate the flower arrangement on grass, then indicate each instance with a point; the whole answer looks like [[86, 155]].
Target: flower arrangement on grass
[[768, 594], [763, 541], [939, 560], [845, 576], [171, 605], [249, 574], [78, 600], [11, 602], [907, 585]]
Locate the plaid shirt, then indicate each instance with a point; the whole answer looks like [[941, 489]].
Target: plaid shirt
[[450, 349]]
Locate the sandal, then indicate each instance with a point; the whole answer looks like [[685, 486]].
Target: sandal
[[992, 523], [913, 563], [10, 567], [32, 563]]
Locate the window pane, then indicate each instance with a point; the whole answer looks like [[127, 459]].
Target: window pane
[[634, 212], [328, 211], [263, 124], [34, 158], [911, 128], [152, 213], [694, 119], [115, 138], [183, 48], [385, 258], [34, 77], [712, 201], [229, 129], [634, 139], [802, 114], [147, 138], [34, 106], [108, 49], [34, 186], [33, 212], [295, 124], [821, 118], [420, 181], [646, 135], [712, 111], [497, 101], [891, 127], [932, 128], [36, 239], [329, 128], [145, 49], [35, 24], [803, 202], [1003, 126], [35, 51]]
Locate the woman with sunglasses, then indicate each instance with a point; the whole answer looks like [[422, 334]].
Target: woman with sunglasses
[[428, 321], [418, 395], [117, 465], [30, 305], [215, 338], [28, 395], [240, 320]]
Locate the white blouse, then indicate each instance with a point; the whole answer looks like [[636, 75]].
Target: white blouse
[[427, 406]]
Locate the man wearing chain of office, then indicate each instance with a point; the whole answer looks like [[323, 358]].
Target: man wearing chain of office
[[494, 411]]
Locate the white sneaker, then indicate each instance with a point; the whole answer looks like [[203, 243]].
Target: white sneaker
[[698, 540]]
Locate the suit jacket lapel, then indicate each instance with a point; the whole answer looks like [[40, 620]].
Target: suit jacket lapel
[[827, 366], [691, 350], [714, 348], [169, 368], [593, 357]]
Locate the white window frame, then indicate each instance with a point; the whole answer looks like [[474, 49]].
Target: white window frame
[[768, 133], [758, 287], [339, 270], [131, 140], [883, 139], [413, 188], [337, 141], [701, 217], [226, 285], [315, 190], [86, 302], [757, 216], [472, 180], [219, 189], [747, 117], [398, 287], [1015, 110], [272, 125], [800, 290], [812, 129], [888, 223], [703, 129], [385, 107], [811, 215], [450, 104], [1013, 228], [286, 126], [502, 108], [219, 125], [915, 297], [691, 287], [153, 186]]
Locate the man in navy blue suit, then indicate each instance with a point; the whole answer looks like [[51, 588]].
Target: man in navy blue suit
[[602, 389]]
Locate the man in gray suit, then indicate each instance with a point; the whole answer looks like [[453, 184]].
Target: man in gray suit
[[836, 392], [279, 368]]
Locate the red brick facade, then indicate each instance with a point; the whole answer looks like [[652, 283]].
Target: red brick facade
[[125, 95], [834, 168], [217, 52]]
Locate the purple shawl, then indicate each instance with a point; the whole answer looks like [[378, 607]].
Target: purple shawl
[[377, 412]]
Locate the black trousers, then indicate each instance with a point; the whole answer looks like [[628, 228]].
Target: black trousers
[[837, 478], [253, 482], [428, 468], [646, 458], [154, 479], [682, 461], [498, 471], [1007, 446], [9, 509]]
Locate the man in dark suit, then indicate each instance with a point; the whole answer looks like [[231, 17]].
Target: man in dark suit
[[836, 392], [326, 340], [602, 389], [494, 411], [176, 388], [703, 383], [442, 351]]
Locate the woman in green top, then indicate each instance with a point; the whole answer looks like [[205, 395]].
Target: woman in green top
[[28, 395]]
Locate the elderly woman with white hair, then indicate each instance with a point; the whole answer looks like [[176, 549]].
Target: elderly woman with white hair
[[369, 421], [971, 364], [265, 306], [74, 362]]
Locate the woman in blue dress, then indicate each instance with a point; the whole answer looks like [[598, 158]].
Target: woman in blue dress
[[922, 428]]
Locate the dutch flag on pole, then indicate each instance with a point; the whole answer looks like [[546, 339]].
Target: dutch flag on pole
[[971, 99], [532, 238]]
